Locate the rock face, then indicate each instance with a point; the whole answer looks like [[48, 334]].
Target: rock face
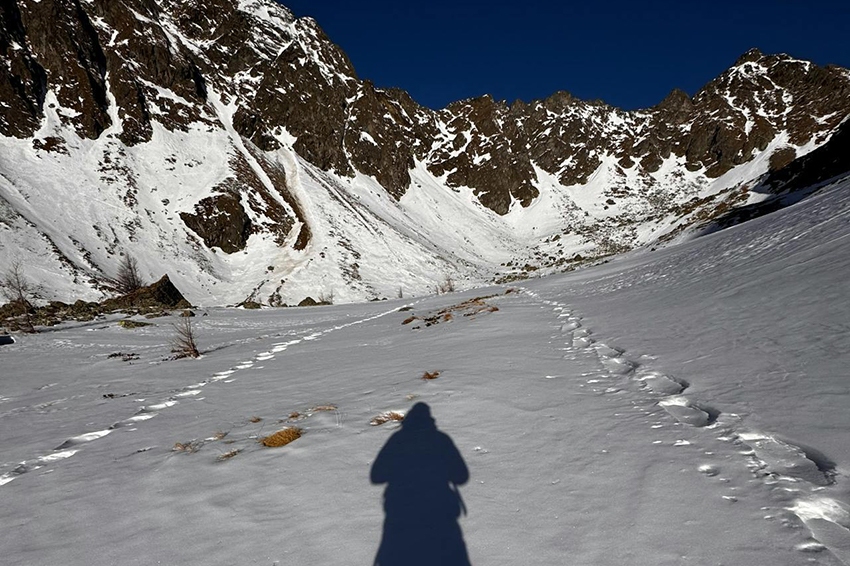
[[160, 295], [205, 120]]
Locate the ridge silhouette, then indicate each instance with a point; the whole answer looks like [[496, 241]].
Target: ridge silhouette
[[422, 469]]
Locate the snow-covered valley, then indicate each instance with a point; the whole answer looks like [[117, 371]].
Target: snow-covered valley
[[681, 406]]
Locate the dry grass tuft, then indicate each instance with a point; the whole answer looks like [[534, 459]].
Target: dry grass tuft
[[188, 447], [219, 435], [323, 408], [228, 455], [409, 320], [294, 415], [255, 419], [130, 324], [387, 417], [281, 437], [431, 374]]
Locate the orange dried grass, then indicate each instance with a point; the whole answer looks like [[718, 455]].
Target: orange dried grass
[[281, 437]]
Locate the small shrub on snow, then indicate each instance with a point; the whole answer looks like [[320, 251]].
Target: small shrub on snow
[[183, 344]]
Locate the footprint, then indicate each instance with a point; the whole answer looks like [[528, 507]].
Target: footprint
[[608, 351], [83, 438], [829, 521], [662, 384], [687, 412], [133, 420], [619, 366], [281, 346], [786, 459], [157, 407], [56, 456], [25, 467], [188, 393]]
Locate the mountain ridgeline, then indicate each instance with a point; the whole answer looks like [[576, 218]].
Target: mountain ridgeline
[[233, 146]]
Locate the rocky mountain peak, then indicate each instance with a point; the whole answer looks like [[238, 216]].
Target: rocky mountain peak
[[204, 122], [751, 55]]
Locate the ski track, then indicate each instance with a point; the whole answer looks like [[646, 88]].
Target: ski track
[[73, 445], [795, 475]]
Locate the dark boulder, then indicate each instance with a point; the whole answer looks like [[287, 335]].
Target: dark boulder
[[162, 294]]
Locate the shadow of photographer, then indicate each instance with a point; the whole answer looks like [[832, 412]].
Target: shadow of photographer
[[422, 469]]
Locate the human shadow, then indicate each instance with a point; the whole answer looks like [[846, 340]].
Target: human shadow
[[422, 469]]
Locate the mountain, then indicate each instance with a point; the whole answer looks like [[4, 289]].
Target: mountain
[[233, 147]]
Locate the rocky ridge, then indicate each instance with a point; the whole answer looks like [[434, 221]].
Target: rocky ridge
[[212, 125]]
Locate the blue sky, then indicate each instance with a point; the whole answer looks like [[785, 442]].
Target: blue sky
[[629, 54]]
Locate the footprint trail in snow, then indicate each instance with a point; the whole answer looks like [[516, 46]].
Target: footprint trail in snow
[[796, 476], [73, 445]]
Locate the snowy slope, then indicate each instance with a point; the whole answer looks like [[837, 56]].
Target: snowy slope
[[683, 406]]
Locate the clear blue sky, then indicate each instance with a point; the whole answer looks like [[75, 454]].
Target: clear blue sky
[[629, 54]]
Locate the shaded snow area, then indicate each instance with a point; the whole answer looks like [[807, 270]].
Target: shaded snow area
[[683, 406]]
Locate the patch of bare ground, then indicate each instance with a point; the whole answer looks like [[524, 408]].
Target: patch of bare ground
[[470, 308]]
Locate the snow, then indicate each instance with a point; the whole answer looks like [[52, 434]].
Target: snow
[[682, 406]]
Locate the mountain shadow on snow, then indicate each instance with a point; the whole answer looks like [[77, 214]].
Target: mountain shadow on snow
[[422, 469]]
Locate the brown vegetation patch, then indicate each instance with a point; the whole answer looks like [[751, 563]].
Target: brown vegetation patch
[[387, 417], [188, 447], [431, 374], [469, 308], [228, 455], [130, 324], [124, 357], [255, 419], [281, 437]]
